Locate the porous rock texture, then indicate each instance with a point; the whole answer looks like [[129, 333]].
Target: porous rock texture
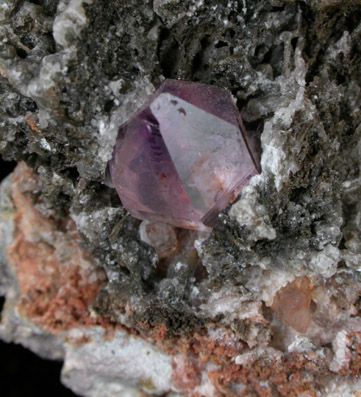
[[268, 304]]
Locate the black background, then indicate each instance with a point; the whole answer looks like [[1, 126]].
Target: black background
[[22, 373]]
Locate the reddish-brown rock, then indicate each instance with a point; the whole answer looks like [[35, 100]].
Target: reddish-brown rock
[[57, 279]]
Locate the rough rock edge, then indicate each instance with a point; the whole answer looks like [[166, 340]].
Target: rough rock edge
[[328, 234], [104, 359]]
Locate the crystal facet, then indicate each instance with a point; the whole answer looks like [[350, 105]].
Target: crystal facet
[[183, 156]]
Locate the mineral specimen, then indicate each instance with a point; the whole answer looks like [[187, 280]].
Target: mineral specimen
[[268, 303], [160, 236], [292, 304], [182, 157]]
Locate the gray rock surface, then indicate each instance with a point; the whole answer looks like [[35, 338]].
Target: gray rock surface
[[73, 71]]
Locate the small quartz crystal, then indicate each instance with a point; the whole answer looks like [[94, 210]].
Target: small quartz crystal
[[183, 156], [292, 304], [161, 236]]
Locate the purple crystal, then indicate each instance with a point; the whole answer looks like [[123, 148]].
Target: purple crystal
[[182, 156]]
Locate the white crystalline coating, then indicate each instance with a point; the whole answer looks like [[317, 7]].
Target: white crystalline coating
[[45, 144], [233, 305], [84, 219], [194, 292], [123, 360], [341, 352], [116, 86], [179, 266], [266, 283], [108, 129], [252, 355], [325, 262], [41, 83], [198, 244], [274, 159], [52, 66], [253, 216], [300, 344], [70, 21], [107, 135], [143, 233]]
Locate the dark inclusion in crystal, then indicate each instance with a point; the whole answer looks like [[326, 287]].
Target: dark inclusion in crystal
[[183, 156]]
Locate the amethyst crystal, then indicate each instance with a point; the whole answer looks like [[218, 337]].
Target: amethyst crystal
[[182, 157]]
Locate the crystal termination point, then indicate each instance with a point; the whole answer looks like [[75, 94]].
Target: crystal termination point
[[183, 156]]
